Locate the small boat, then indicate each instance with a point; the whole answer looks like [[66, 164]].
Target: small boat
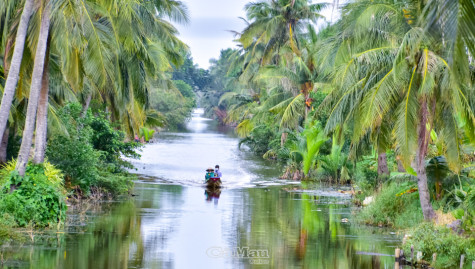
[[214, 182]]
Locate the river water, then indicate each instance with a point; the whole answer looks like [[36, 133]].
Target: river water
[[255, 221]]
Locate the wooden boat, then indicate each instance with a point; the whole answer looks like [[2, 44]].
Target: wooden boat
[[214, 182]]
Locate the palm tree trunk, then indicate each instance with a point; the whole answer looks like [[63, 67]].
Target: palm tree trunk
[[283, 138], [3, 146], [42, 114], [423, 139], [383, 170], [85, 107], [36, 81], [14, 68], [307, 88]]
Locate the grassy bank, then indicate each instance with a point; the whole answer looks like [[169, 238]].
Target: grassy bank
[[396, 204]]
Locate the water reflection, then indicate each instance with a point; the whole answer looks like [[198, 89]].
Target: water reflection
[[174, 222], [173, 227], [212, 194]]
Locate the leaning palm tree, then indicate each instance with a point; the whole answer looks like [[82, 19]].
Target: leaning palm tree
[[112, 53], [36, 83], [355, 42], [14, 67]]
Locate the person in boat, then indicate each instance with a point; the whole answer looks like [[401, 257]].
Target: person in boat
[[217, 172], [209, 173]]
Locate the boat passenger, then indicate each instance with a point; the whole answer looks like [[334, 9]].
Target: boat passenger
[[217, 172], [209, 173]]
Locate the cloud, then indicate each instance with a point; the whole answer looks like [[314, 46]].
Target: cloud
[[211, 27]]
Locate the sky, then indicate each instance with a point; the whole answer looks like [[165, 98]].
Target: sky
[[210, 22]]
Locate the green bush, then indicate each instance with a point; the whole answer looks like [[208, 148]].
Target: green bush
[[335, 167], [53, 174], [260, 139], [115, 184], [443, 241], [461, 202], [90, 151], [76, 158], [366, 176], [72, 151], [185, 89], [35, 199], [110, 142], [395, 205]]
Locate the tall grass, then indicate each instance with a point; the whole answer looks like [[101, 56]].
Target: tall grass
[[396, 205]]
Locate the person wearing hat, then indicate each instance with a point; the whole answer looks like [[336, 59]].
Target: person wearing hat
[[217, 172], [209, 173]]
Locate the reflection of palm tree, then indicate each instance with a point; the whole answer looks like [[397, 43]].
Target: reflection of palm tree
[[303, 226], [302, 244]]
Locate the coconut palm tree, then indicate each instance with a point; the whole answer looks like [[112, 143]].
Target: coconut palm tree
[[131, 45], [36, 83], [339, 57], [407, 79], [276, 54], [275, 24], [42, 112], [112, 50], [14, 66]]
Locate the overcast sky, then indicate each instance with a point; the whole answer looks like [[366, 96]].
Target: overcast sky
[[210, 21]]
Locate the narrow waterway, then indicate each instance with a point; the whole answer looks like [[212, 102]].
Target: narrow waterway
[[255, 221]]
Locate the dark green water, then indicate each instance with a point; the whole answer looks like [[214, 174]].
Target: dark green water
[[256, 221]]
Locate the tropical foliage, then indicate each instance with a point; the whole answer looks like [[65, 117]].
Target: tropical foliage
[[79, 79], [38, 199], [390, 81]]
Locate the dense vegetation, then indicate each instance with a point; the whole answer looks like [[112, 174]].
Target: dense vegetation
[[383, 95], [81, 80]]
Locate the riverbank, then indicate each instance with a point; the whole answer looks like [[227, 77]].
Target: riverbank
[[449, 236], [40, 201]]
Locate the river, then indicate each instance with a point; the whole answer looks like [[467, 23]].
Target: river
[[255, 221]]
